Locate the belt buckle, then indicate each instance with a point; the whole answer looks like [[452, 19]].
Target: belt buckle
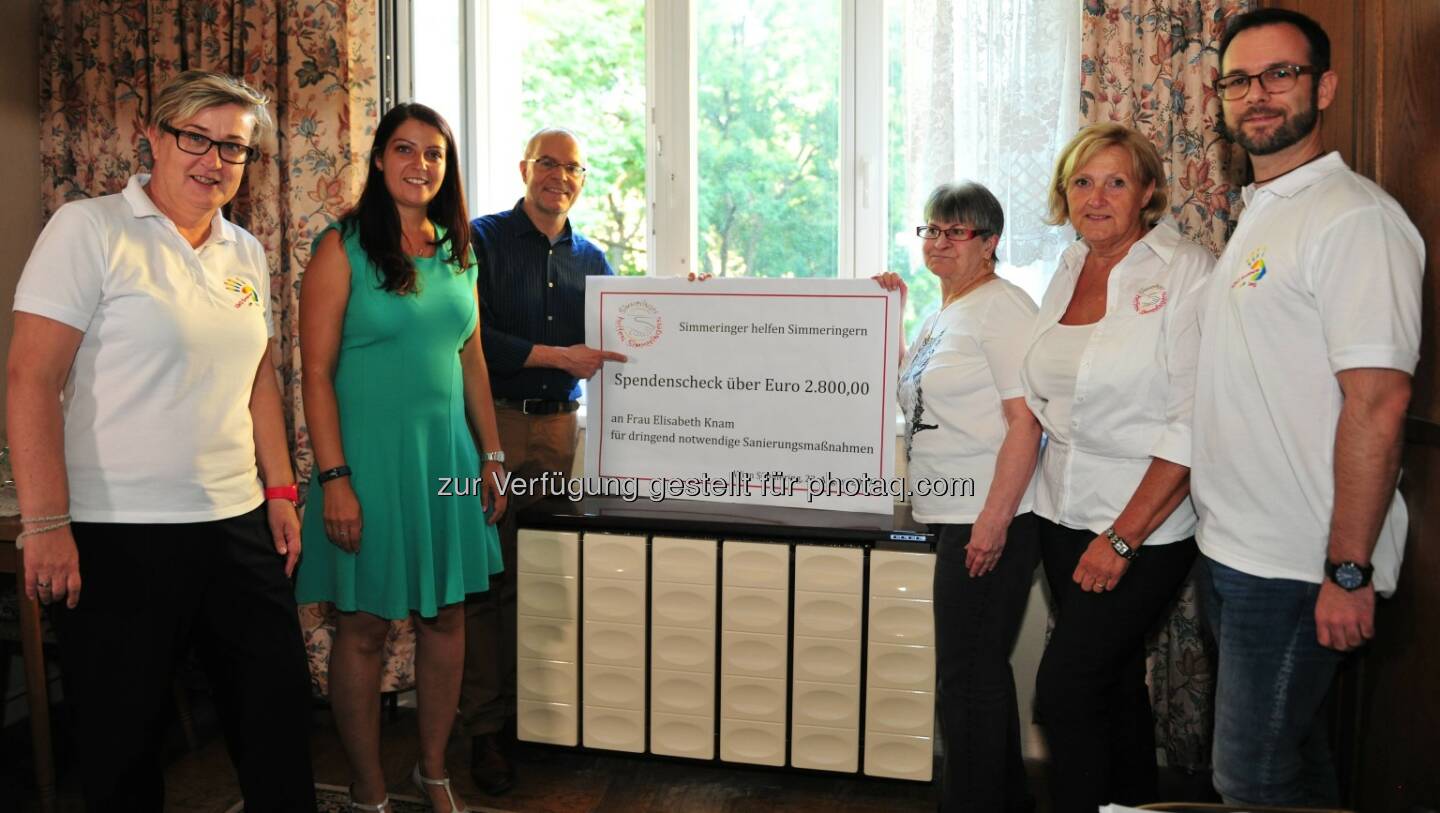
[[525, 405]]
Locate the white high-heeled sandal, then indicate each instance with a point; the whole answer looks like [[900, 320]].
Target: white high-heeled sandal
[[422, 781], [382, 807]]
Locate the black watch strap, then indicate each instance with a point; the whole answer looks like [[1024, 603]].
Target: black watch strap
[[1349, 576], [333, 474]]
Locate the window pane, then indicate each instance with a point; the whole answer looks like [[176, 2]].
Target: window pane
[[435, 58], [904, 246], [768, 105], [984, 91], [582, 67]]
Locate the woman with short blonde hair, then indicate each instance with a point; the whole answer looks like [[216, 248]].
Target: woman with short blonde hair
[[1145, 167], [152, 464], [1110, 374]]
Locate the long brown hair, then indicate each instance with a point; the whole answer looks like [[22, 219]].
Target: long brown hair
[[378, 221]]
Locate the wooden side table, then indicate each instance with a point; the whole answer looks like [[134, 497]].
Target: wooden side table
[[37, 692]]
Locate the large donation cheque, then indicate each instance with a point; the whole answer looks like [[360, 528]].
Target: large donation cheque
[[778, 392]]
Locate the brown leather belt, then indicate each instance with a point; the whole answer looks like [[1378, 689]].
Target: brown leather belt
[[537, 406]]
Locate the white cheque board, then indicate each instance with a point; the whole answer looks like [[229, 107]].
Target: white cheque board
[[779, 392]]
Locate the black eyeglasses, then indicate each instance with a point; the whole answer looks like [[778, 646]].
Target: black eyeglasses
[[547, 164], [231, 152], [955, 234], [1275, 79]]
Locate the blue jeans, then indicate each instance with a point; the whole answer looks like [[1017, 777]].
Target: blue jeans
[[1270, 740]]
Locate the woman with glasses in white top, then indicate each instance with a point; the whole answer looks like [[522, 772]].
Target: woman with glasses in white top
[[1110, 374], [149, 447], [967, 424]]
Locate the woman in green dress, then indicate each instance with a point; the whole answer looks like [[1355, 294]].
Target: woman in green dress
[[396, 392]]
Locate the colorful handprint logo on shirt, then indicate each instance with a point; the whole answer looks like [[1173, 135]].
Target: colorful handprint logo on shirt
[[248, 294], [1255, 272]]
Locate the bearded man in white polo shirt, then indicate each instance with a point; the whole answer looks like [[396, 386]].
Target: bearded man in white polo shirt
[[1310, 335]]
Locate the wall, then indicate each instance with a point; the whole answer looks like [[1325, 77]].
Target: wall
[[1386, 124]]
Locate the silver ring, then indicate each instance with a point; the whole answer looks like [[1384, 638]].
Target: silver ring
[[42, 585]]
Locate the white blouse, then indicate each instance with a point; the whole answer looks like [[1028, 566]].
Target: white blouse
[[1134, 384], [1055, 366]]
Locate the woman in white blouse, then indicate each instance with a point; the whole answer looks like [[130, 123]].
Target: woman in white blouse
[[1110, 375], [970, 443]]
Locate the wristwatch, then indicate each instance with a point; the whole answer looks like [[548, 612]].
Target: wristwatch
[[493, 457], [1120, 546], [1350, 576]]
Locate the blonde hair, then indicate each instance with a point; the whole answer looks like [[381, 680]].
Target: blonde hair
[[1084, 146], [193, 91]]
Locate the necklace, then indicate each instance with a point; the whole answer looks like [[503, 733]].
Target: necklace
[[412, 247], [950, 299]]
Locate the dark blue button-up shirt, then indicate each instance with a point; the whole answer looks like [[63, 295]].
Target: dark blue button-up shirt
[[531, 292]]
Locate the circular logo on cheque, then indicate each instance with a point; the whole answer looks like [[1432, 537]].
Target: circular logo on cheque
[[1151, 299], [638, 324]]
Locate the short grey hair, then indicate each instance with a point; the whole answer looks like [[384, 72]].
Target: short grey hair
[[968, 202], [532, 146], [193, 91]]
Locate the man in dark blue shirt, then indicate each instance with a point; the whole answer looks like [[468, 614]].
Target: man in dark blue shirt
[[533, 266]]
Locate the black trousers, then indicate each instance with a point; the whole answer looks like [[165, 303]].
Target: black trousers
[[149, 593], [1090, 693], [976, 624]]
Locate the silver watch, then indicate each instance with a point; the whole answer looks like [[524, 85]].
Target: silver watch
[[492, 457], [1120, 545]]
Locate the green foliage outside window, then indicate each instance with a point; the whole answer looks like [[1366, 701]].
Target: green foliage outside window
[[584, 69], [769, 130]]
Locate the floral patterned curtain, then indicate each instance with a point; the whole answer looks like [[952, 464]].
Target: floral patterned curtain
[[1148, 64], [102, 60]]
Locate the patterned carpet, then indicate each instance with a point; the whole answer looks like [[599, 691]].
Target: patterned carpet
[[335, 799]]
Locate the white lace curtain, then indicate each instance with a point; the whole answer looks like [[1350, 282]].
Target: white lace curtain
[[991, 95]]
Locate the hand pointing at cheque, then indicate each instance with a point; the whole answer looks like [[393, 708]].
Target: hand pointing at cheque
[[577, 359]]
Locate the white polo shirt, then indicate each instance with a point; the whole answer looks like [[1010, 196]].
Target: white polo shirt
[[965, 361], [1134, 387], [1322, 275], [157, 418]]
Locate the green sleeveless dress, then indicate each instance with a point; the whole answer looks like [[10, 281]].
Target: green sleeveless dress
[[401, 397]]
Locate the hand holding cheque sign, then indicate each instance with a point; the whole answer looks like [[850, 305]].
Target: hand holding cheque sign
[[778, 392]]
